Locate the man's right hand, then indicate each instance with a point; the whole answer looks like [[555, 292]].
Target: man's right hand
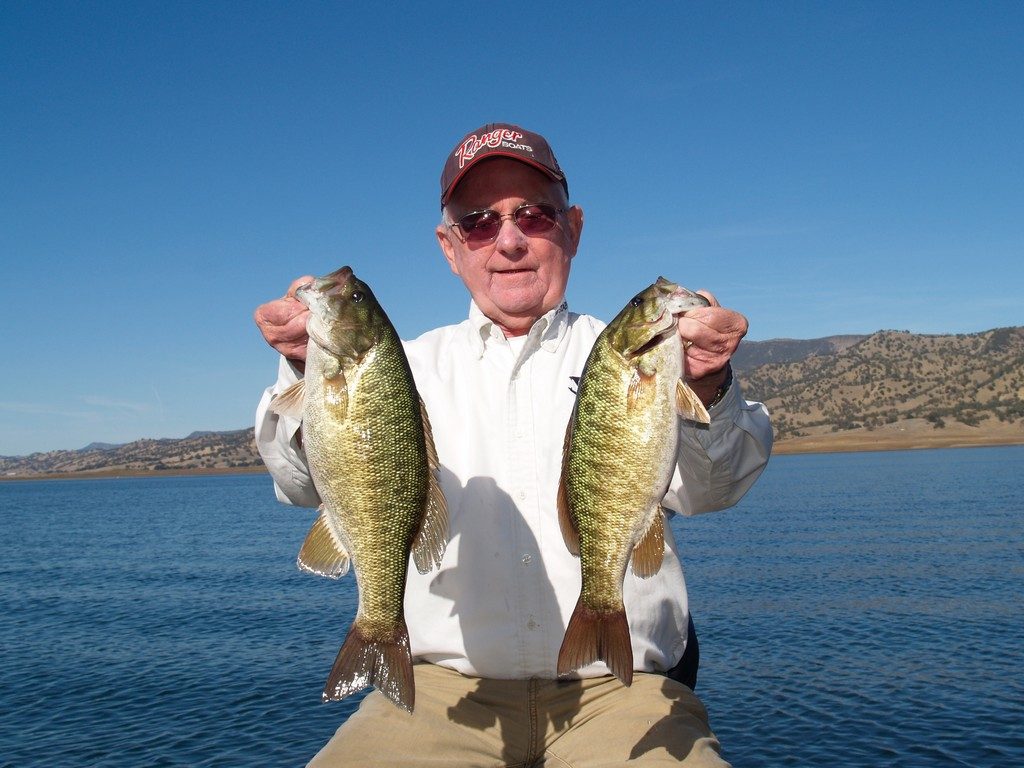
[[283, 324]]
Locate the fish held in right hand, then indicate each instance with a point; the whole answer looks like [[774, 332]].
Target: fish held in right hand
[[371, 454]]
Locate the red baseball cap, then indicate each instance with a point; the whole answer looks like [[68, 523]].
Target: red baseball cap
[[499, 140]]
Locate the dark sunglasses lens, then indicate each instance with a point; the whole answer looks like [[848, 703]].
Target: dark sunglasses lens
[[481, 225], [535, 219]]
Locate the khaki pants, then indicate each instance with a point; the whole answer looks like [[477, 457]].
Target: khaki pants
[[468, 721]]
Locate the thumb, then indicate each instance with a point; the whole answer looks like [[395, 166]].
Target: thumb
[[298, 283]]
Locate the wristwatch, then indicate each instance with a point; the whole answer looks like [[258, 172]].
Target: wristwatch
[[720, 392]]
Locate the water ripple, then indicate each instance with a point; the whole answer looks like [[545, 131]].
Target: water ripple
[[856, 610]]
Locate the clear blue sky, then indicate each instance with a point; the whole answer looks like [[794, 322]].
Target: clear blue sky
[[825, 168]]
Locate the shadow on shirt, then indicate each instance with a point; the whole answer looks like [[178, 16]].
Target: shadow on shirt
[[492, 581]]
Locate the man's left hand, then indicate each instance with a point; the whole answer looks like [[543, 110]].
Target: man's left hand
[[714, 333]]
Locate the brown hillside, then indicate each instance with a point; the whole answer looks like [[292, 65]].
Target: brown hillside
[[968, 388]]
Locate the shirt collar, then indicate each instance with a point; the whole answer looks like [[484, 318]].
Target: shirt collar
[[547, 332]]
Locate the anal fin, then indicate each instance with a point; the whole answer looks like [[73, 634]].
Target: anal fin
[[650, 550]]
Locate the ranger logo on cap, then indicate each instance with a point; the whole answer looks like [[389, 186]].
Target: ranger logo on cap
[[499, 140]]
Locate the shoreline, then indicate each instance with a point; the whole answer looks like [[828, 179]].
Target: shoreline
[[863, 442], [852, 443], [117, 473]]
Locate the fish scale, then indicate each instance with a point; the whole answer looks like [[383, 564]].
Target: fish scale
[[371, 455], [619, 455]]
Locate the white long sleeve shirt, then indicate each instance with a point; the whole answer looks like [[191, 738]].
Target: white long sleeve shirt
[[499, 604]]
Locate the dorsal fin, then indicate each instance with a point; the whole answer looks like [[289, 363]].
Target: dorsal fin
[[432, 538], [570, 533]]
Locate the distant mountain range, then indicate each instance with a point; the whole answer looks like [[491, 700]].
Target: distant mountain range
[[200, 451], [863, 391], [886, 389], [752, 354]]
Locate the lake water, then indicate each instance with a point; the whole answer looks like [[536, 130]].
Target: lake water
[[853, 610]]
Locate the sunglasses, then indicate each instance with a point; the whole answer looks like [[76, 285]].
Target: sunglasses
[[532, 219]]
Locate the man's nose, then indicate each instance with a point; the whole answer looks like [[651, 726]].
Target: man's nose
[[510, 238]]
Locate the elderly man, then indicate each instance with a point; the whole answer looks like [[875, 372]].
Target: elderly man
[[499, 387]]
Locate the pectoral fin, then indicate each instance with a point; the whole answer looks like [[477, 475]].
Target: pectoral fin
[[432, 538], [331, 367], [689, 405], [336, 394], [640, 390], [322, 552], [650, 550], [291, 401]]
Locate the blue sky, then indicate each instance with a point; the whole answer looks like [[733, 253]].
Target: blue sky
[[825, 168]]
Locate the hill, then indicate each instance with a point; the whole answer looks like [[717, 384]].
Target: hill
[[890, 389], [200, 451]]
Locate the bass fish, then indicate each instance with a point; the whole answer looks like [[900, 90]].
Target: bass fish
[[619, 456], [372, 459]]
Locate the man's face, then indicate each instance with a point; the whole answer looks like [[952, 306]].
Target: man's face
[[517, 278]]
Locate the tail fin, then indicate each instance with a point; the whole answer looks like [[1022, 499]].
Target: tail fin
[[384, 664], [591, 636]]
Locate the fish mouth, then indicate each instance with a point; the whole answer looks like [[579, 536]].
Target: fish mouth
[[328, 285], [680, 302], [305, 292], [655, 340], [325, 324], [660, 329]]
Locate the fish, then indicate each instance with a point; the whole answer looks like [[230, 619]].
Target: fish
[[371, 454], [618, 459]]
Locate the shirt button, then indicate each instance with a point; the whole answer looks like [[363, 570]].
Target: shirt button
[[531, 624], [527, 559], [522, 495]]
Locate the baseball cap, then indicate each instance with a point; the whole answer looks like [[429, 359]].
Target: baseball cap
[[499, 140]]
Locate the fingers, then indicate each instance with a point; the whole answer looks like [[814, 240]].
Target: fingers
[[298, 283], [715, 333], [709, 296], [283, 325], [283, 322]]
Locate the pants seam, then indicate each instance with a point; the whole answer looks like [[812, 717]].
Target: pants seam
[[532, 746], [549, 755]]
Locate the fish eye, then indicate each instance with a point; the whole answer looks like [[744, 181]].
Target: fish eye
[[637, 301], [357, 296]]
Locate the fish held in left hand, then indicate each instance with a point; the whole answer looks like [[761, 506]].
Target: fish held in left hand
[[371, 455], [618, 460]]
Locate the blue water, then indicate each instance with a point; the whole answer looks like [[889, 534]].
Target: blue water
[[853, 610]]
